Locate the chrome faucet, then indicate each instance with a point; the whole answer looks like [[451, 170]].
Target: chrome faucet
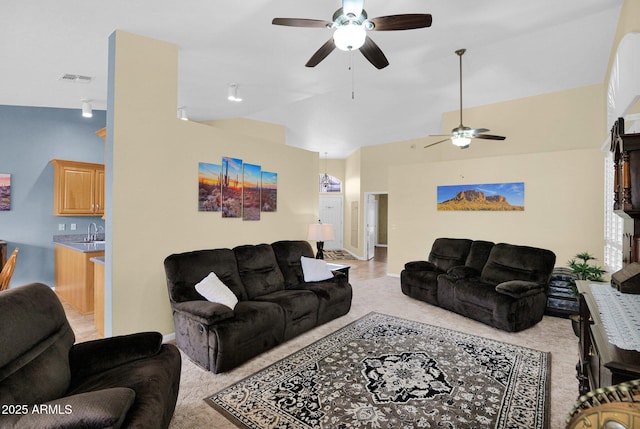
[[91, 237]]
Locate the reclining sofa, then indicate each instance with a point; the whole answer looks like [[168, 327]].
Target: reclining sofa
[[274, 304], [47, 381], [502, 285]]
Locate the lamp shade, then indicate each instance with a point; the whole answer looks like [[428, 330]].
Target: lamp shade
[[320, 232]]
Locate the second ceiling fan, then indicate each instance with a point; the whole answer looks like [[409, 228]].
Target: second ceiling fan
[[461, 136], [351, 24]]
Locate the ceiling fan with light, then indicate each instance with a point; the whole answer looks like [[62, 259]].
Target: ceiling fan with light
[[351, 24], [461, 136]]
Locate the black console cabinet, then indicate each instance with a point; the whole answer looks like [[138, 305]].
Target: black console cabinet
[[601, 363]]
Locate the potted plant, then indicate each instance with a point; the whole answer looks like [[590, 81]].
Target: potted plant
[[582, 270]]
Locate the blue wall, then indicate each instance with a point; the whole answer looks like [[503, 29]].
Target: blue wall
[[29, 138]]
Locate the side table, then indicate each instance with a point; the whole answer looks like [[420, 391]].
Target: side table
[[340, 268]]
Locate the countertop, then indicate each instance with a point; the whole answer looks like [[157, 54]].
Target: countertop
[[76, 242], [82, 247]]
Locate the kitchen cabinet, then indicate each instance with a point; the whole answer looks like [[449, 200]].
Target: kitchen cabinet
[[74, 275], [98, 294], [79, 188]]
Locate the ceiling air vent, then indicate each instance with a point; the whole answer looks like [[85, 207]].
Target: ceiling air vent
[[75, 78]]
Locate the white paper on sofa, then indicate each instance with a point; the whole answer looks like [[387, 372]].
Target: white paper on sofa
[[212, 288], [315, 270]]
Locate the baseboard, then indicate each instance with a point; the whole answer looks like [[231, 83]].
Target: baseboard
[[393, 275], [169, 338]]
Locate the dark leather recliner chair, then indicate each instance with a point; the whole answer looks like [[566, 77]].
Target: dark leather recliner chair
[[50, 382]]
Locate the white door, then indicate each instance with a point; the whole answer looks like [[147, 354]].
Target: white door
[[371, 222], [331, 212]]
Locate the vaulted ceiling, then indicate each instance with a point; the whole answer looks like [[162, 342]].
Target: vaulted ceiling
[[515, 49]]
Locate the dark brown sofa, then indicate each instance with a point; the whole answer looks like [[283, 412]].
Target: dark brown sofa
[[47, 381], [274, 302], [502, 285]]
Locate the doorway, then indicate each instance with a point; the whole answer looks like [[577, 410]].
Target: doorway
[[331, 211], [375, 222]]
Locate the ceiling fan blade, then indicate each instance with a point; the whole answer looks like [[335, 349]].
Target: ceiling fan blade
[[352, 6], [301, 22], [438, 142], [480, 130], [374, 54], [321, 53], [488, 137], [407, 21]]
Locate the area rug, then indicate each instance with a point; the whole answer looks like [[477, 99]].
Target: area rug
[[334, 255], [386, 372]]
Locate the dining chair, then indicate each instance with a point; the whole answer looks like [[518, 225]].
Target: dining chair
[[7, 270]]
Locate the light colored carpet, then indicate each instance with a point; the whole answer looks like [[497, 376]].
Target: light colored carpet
[[383, 295]]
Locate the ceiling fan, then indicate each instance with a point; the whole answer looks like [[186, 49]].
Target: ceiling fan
[[351, 24], [461, 136]]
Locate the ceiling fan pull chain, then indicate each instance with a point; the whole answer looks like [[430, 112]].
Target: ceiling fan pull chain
[[353, 78]]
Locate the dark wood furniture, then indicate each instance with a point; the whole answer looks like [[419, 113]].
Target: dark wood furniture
[[601, 363], [561, 299], [626, 183], [340, 268]]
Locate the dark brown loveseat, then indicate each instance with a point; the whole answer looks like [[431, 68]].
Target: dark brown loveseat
[[502, 285], [47, 381], [274, 302]]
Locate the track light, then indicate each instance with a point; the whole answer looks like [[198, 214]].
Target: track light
[[87, 111], [232, 92], [182, 114]]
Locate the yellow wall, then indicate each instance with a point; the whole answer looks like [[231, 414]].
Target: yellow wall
[[548, 123], [563, 204], [154, 159], [352, 203]]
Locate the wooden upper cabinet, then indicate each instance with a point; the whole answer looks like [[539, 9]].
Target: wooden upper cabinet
[[78, 188]]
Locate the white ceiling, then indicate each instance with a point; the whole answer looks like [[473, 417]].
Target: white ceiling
[[515, 48]]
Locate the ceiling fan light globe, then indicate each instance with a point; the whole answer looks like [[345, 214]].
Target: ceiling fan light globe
[[460, 141], [349, 37]]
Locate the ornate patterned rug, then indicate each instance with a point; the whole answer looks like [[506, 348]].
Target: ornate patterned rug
[[386, 372], [334, 255]]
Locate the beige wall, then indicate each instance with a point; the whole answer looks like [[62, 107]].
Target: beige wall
[[154, 162], [353, 203], [563, 204], [548, 123]]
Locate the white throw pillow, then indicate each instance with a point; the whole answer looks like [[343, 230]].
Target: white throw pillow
[[212, 288], [315, 270]]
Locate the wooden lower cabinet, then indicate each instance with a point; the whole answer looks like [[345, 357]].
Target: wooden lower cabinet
[[74, 277], [98, 294]]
